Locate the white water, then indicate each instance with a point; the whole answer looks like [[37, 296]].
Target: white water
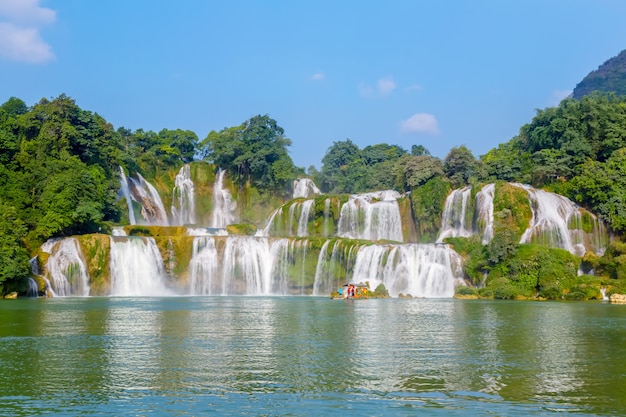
[[137, 268], [183, 198], [305, 188], [152, 208], [455, 221], [549, 226], [328, 267], [430, 271], [65, 268], [373, 216], [223, 206], [246, 266], [304, 218], [127, 197], [484, 212], [33, 288]]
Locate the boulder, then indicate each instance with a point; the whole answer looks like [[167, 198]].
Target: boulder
[[617, 298]]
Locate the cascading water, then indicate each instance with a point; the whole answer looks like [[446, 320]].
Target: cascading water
[[152, 209], [304, 218], [126, 193], [331, 268], [484, 212], [372, 216], [550, 225], [33, 288], [246, 266], [66, 269], [305, 188], [137, 267], [223, 206], [183, 198], [455, 221], [430, 271]]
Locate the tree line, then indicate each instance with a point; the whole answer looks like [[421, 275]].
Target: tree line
[[59, 166]]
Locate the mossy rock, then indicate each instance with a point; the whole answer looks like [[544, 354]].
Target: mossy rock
[[241, 229]]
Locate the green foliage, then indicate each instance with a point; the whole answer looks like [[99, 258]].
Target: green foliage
[[14, 266], [254, 152], [461, 167], [380, 291], [474, 256], [427, 202], [534, 270], [609, 77], [413, 171]]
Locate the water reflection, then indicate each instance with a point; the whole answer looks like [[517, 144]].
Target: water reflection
[[257, 355]]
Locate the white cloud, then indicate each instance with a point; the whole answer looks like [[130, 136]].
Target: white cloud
[[20, 25], [26, 11], [384, 87], [420, 123], [23, 44], [318, 76]]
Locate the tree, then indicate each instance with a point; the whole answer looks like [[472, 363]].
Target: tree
[[337, 163], [14, 265], [413, 171], [459, 165], [254, 151]]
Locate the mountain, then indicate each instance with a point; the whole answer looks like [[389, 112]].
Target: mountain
[[609, 77]]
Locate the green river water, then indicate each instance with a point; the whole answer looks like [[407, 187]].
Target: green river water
[[194, 356]]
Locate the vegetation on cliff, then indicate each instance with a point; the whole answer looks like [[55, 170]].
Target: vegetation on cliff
[[610, 77], [60, 167]]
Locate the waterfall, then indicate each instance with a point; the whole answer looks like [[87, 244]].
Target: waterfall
[[223, 206], [204, 267], [284, 258], [455, 221], [333, 268], [304, 188], [183, 198], [152, 208], [33, 288], [552, 215], [303, 221], [126, 193], [372, 216], [484, 212], [430, 271], [137, 268], [66, 268], [246, 266]]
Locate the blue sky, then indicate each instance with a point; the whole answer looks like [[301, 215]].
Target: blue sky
[[437, 73]]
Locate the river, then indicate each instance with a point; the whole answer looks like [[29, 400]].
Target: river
[[190, 356]]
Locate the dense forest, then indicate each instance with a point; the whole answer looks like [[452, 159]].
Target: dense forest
[[610, 77], [61, 167]]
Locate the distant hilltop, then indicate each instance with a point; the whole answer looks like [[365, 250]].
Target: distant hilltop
[[609, 77]]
